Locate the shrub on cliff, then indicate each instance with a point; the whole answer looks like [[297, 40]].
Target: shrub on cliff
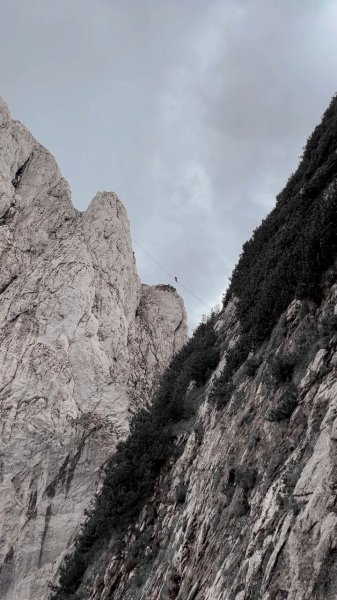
[[282, 367], [284, 406], [252, 365], [327, 328]]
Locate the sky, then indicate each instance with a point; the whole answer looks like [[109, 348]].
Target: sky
[[195, 112]]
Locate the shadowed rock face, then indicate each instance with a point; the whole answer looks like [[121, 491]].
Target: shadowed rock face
[[248, 511], [82, 345]]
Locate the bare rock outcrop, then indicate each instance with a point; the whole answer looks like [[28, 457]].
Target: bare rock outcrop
[[82, 345]]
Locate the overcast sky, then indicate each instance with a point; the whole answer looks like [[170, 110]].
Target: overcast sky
[[194, 111]]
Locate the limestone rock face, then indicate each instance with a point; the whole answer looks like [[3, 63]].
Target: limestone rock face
[[82, 345]]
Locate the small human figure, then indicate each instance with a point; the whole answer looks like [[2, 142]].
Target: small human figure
[[176, 279]]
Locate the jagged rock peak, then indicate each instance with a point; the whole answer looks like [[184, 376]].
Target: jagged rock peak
[[83, 343]]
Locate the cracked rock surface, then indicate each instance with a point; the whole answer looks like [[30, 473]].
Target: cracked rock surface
[[249, 509], [82, 345]]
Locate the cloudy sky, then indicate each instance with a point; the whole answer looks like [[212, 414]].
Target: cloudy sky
[[194, 111]]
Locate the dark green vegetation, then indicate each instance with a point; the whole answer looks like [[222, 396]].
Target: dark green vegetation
[[285, 404], [294, 245], [130, 474], [252, 365], [327, 328], [289, 251], [282, 368]]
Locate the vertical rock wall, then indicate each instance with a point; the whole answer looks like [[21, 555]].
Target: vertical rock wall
[[82, 345]]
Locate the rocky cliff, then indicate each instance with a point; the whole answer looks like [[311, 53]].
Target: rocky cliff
[[244, 504], [82, 345]]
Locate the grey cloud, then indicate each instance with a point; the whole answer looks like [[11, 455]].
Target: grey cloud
[[194, 112]]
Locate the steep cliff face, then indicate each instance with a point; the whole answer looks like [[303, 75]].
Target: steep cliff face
[[82, 345], [244, 507], [249, 508]]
